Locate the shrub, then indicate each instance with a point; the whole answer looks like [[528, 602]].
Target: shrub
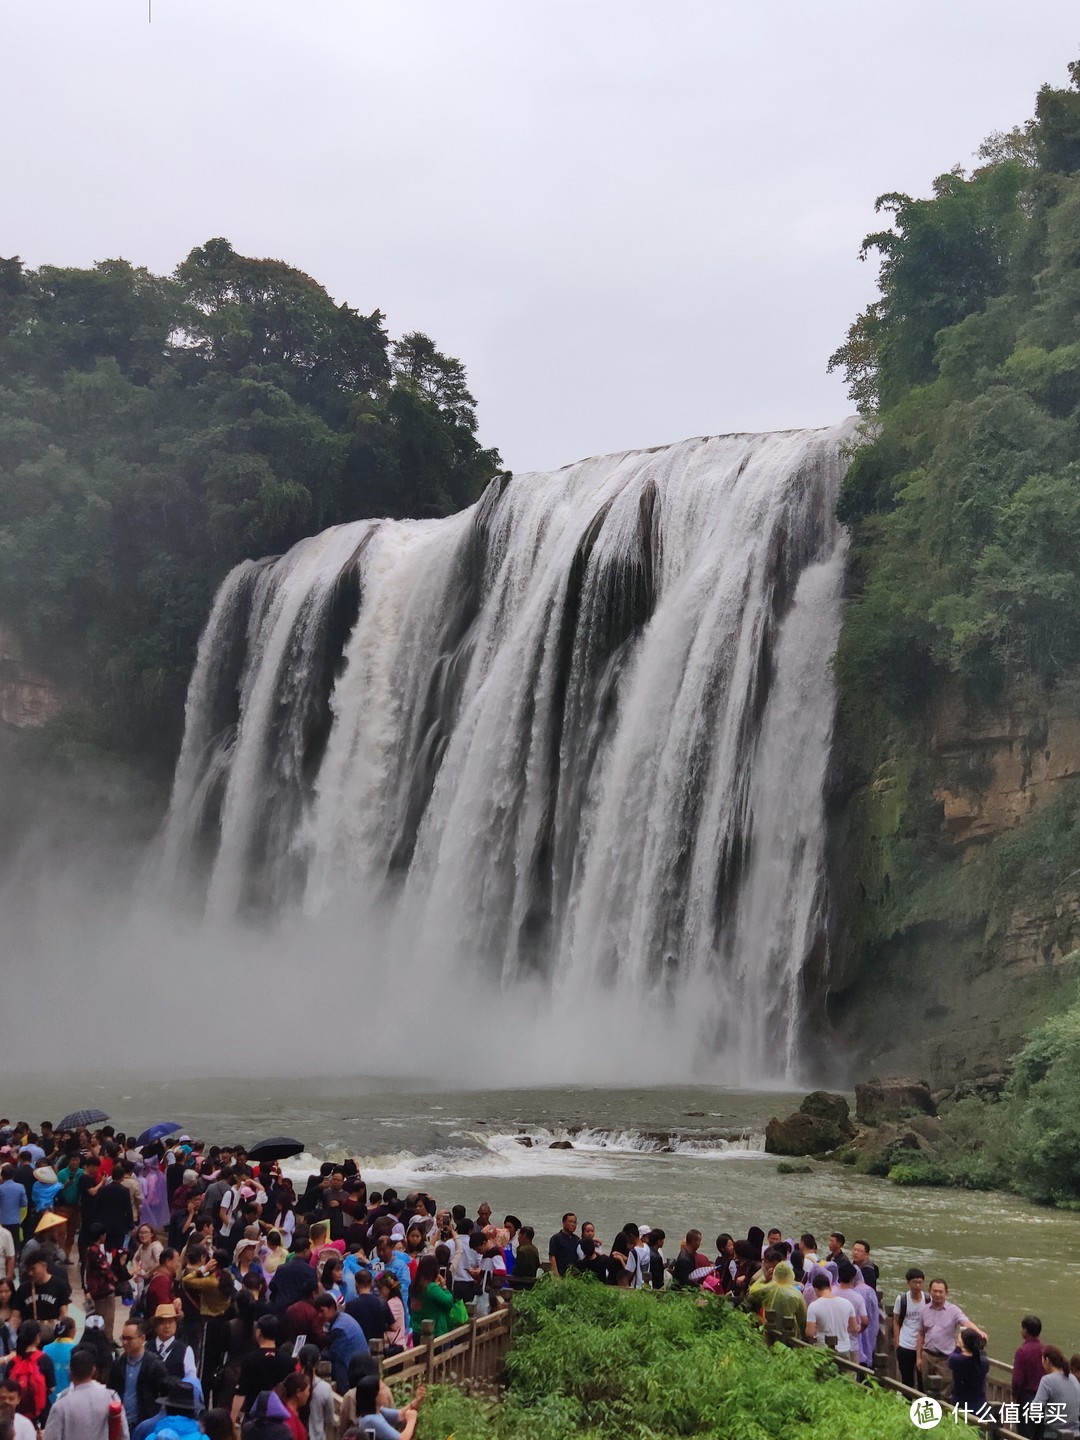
[[604, 1364]]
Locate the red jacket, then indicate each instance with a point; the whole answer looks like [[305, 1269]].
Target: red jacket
[[1027, 1369]]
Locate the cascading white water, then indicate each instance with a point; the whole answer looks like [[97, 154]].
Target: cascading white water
[[569, 744]]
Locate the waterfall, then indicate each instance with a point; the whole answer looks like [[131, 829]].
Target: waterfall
[[568, 745]]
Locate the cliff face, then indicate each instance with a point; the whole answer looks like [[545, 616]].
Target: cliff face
[[27, 698], [1022, 751], [971, 956]]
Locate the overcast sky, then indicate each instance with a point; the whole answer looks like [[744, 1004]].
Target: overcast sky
[[633, 220]]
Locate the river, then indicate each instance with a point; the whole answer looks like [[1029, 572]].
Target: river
[[1003, 1258]]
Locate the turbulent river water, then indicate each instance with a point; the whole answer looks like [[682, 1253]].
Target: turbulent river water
[[672, 1157]]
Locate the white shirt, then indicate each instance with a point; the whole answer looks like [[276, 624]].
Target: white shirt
[[909, 1326], [7, 1252], [640, 1253], [465, 1259], [831, 1317], [24, 1427]]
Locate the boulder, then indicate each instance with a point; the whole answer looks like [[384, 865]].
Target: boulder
[[824, 1105], [802, 1134], [561, 1145], [892, 1100], [525, 1140]]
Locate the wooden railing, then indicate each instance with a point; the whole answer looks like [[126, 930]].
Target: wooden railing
[[885, 1370], [472, 1354]]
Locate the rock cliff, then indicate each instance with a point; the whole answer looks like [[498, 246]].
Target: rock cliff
[[949, 939], [27, 698]]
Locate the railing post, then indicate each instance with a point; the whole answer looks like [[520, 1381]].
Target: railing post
[[770, 1326], [376, 1348], [427, 1336], [470, 1359], [789, 1330]]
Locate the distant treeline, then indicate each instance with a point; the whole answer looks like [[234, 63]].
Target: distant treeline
[[155, 430]]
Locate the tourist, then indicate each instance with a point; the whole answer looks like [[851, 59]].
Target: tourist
[[46, 1242], [397, 1336], [154, 1209], [378, 1422], [177, 1409], [322, 1412], [907, 1313], [67, 1202], [137, 1375], [1059, 1387], [22, 1428], [368, 1307], [526, 1259], [267, 1419], [41, 1296], [969, 1366], [860, 1255], [780, 1295], [177, 1356], [726, 1264], [830, 1315], [342, 1336], [387, 1257], [688, 1261], [295, 1391], [163, 1286], [1028, 1372], [82, 1412], [12, 1204], [869, 1333], [430, 1300], [59, 1351], [32, 1371], [145, 1258], [261, 1370], [102, 1281], [295, 1280], [939, 1325], [836, 1243], [563, 1246], [657, 1265], [7, 1317]]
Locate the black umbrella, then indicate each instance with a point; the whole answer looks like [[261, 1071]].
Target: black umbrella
[[279, 1147], [78, 1118]]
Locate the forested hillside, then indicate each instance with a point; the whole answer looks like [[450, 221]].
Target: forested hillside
[[958, 740], [154, 430]]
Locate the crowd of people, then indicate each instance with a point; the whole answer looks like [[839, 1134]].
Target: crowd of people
[[246, 1306]]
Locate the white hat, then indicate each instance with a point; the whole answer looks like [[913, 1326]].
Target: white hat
[[398, 1232]]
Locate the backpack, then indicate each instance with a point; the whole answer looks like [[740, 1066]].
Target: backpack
[[25, 1371]]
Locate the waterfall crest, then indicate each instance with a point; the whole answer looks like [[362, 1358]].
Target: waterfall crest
[[569, 744]]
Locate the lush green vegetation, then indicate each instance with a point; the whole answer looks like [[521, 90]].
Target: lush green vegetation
[[600, 1364], [964, 506], [1027, 1141], [154, 430]]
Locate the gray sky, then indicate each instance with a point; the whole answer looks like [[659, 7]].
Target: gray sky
[[634, 221]]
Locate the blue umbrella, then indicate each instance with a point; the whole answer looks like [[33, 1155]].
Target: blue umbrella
[[158, 1132], [78, 1118]]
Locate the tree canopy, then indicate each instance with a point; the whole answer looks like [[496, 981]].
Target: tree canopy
[[155, 430], [963, 501]]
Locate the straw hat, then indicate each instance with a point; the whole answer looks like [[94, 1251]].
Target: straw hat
[[49, 1221], [164, 1312], [47, 1175]]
